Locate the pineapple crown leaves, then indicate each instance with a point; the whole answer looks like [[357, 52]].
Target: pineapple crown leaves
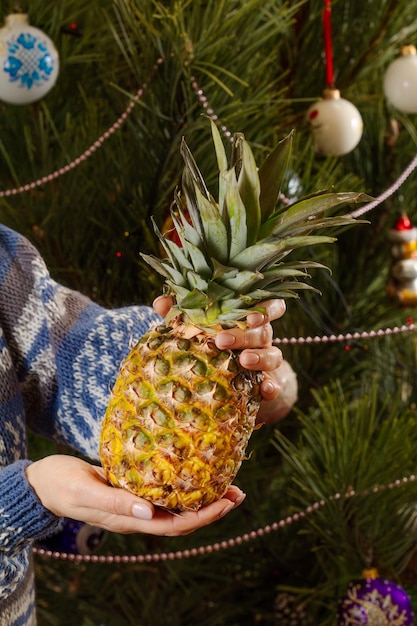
[[230, 252]]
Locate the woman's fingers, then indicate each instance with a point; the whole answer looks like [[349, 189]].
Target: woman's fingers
[[258, 332], [265, 359], [168, 524], [252, 337], [162, 305], [270, 389], [272, 310], [71, 487]]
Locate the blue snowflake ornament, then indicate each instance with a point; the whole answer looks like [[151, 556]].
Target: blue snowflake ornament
[[29, 65]]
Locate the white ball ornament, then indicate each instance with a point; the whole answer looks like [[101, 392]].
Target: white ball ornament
[[29, 61], [400, 81], [335, 123]]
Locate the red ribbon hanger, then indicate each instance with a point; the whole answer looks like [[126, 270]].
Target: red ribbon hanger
[[328, 47]]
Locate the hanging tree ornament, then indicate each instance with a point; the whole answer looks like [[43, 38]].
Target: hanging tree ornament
[[29, 62], [291, 611], [336, 123], [400, 81], [74, 537], [402, 285], [375, 601]]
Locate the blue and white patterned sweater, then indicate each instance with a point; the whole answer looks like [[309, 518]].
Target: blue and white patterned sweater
[[59, 355]]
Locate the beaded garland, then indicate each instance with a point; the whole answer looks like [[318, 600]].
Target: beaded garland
[[212, 115], [218, 546], [228, 135], [89, 151]]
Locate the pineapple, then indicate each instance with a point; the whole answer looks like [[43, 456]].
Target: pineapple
[[182, 411]]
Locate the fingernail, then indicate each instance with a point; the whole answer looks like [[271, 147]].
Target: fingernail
[[249, 358], [227, 509], [225, 340], [240, 499], [268, 387], [140, 510], [255, 319]]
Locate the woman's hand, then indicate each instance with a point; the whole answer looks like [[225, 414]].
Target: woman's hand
[[70, 487], [255, 341]]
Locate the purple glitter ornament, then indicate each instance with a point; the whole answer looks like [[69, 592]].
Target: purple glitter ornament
[[375, 601], [74, 538]]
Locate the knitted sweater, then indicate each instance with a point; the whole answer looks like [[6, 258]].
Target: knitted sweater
[[59, 355]]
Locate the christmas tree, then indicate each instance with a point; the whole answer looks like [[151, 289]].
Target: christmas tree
[[331, 488]]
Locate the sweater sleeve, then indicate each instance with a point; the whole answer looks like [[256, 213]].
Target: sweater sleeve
[[72, 376], [70, 353], [59, 356], [26, 517], [22, 520]]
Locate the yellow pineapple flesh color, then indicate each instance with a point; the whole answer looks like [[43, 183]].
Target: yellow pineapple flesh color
[[179, 420]]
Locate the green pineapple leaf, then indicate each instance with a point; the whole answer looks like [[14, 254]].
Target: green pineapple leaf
[[194, 299], [236, 215], [215, 233], [166, 270], [175, 254], [288, 289], [195, 281], [272, 173], [221, 272], [192, 167], [229, 255], [217, 293], [250, 189], [221, 163], [304, 228], [307, 208], [287, 267], [182, 225], [243, 281], [198, 259], [263, 254]]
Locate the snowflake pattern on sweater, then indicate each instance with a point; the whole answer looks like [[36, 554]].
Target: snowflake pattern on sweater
[[59, 356]]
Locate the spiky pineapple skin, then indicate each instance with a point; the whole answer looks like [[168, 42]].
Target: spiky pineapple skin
[[179, 419]]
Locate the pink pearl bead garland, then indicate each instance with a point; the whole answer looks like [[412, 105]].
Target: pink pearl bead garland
[[215, 547], [388, 192], [347, 336], [260, 532], [87, 153], [212, 115], [209, 111], [326, 338]]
